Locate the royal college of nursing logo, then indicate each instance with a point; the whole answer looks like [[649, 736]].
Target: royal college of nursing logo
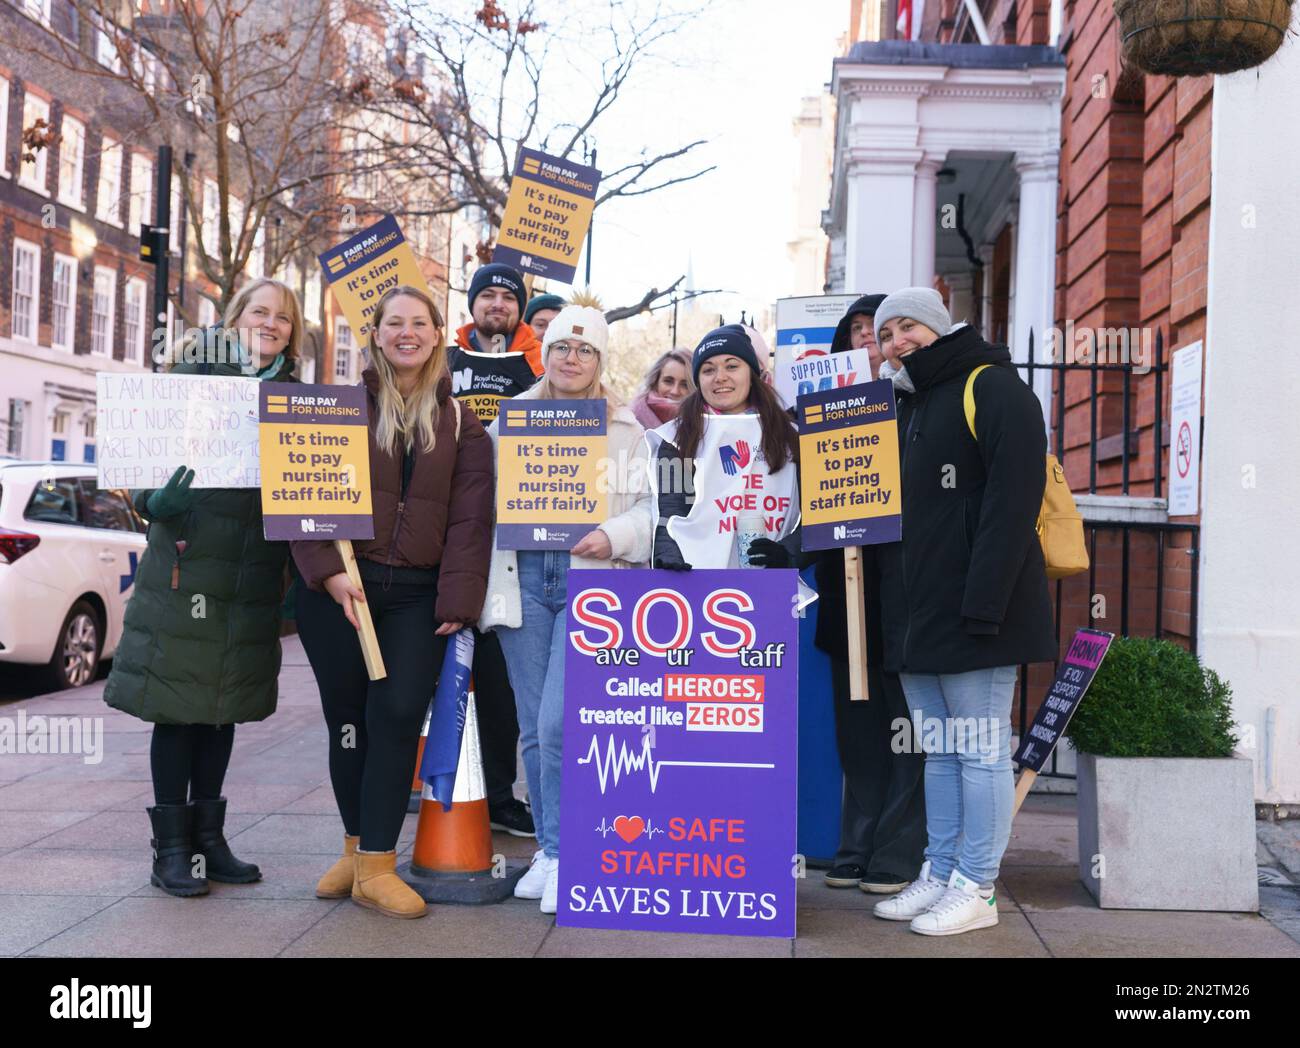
[[733, 457]]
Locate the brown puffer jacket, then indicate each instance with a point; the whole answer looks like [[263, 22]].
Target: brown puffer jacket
[[445, 520]]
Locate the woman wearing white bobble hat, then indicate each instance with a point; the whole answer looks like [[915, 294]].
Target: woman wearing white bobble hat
[[527, 591], [963, 595]]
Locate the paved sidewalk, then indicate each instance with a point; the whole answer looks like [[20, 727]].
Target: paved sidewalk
[[74, 873]]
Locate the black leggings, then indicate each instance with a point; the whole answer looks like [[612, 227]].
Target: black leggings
[[374, 726], [189, 761]]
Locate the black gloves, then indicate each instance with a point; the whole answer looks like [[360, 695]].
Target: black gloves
[[667, 555], [764, 553]]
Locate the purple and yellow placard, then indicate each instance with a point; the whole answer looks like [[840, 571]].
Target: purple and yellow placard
[[547, 215], [849, 471], [551, 463], [680, 751], [315, 458]]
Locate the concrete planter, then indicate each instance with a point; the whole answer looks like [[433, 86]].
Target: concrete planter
[[1168, 833]]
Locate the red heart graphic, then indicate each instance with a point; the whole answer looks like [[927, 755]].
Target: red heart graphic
[[629, 829]]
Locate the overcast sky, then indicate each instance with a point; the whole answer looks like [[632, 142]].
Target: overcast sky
[[739, 75]]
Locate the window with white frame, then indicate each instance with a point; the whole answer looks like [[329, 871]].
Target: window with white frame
[[106, 33], [72, 161], [37, 9], [344, 348], [211, 218], [108, 205], [27, 284], [31, 173], [133, 320], [207, 313], [101, 313], [4, 123], [64, 301], [140, 208], [17, 418]]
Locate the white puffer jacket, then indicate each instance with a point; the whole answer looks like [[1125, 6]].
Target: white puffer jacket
[[628, 527]]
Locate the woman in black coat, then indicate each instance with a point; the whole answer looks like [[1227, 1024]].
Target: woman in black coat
[[964, 594], [882, 814]]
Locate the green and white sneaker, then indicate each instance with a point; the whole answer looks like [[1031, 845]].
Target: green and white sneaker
[[913, 900], [964, 907]]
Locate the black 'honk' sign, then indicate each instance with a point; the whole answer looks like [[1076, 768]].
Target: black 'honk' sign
[[1087, 649]]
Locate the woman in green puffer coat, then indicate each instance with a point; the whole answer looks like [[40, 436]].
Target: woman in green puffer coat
[[200, 649]]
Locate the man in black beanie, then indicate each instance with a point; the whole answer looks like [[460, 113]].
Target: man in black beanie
[[882, 818], [495, 358]]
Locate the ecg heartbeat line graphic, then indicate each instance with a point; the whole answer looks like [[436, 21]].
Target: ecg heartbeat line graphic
[[620, 762], [605, 829]]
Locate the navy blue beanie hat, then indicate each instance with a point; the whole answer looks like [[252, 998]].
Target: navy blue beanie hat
[[498, 274], [728, 340]]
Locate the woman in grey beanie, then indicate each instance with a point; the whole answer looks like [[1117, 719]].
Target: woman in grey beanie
[[964, 594]]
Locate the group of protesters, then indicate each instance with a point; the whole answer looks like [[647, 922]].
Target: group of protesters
[[952, 609]]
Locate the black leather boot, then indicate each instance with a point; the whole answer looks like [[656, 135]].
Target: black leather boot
[[222, 866], [174, 851]]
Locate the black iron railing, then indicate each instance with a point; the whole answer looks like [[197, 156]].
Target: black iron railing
[[1163, 535]]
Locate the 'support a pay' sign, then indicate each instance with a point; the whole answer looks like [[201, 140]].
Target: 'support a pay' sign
[[147, 426], [551, 461], [315, 462], [680, 752], [848, 450]]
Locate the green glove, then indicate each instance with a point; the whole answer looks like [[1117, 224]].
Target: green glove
[[175, 498]]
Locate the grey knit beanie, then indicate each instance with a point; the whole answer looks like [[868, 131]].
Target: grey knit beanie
[[922, 304]]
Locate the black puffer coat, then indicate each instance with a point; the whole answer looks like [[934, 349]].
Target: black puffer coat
[[966, 588]]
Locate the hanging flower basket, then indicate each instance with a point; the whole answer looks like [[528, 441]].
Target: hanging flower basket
[[1196, 37]]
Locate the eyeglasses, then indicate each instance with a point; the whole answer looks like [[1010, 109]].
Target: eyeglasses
[[564, 349]]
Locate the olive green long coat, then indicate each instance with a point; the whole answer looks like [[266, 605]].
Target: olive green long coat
[[216, 660]]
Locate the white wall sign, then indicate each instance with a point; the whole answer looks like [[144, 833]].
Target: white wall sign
[[1185, 432], [148, 425]]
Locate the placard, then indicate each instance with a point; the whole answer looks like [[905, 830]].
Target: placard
[[818, 372], [849, 469], [551, 466], [805, 327], [359, 271], [1087, 649], [546, 216], [679, 775], [1185, 432], [149, 425], [315, 450]]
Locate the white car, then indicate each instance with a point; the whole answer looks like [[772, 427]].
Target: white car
[[68, 558]]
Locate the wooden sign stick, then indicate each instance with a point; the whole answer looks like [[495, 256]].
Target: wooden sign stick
[[855, 602], [366, 634], [1023, 783]]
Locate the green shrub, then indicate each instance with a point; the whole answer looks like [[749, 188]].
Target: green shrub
[[1151, 698]]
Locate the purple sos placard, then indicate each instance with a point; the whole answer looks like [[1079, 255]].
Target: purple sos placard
[[680, 752]]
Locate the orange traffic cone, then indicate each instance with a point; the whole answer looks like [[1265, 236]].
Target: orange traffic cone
[[417, 787], [452, 860]]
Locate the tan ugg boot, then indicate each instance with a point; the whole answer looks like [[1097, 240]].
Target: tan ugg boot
[[338, 879], [378, 887]]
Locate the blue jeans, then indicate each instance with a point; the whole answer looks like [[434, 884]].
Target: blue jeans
[[963, 720], [535, 655]]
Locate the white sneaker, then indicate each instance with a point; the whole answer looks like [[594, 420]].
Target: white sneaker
[[551, 893], [532, 883], [964, 907], [913, 900]]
